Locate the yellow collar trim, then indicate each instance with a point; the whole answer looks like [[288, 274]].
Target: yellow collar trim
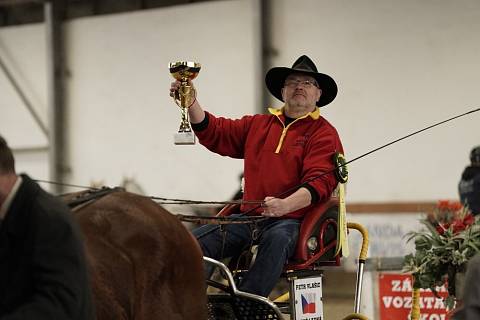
[[315, 114]]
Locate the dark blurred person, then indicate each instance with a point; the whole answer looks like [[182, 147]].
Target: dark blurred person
[[43, 273], [469, 186], [470, 308]]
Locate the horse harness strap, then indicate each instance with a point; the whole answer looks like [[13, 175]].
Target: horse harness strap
[[90, 196], [254, 234], [251, 221], [221, 220]]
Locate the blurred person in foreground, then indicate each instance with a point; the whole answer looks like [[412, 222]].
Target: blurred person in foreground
[[469, 190], [43, 272], [470, 302]]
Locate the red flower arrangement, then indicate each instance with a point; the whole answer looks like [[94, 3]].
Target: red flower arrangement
[[450, 214], [443, 249]]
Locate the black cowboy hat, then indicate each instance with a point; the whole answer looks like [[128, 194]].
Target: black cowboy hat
[[275, 79]]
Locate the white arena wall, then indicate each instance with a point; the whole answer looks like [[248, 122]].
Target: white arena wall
[[400, 66]]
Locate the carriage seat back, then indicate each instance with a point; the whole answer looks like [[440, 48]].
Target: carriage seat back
[[317, 238]]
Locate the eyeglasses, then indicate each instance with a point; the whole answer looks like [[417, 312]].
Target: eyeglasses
[[293, 83]]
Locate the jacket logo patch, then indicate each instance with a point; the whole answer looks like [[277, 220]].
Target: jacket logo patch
[[301, 141]]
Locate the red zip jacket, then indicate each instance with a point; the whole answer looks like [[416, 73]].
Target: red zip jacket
[[276, 157]]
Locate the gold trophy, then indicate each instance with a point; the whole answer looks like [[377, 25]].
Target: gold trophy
[[184, 97]]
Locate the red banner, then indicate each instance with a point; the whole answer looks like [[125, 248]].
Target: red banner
[[395, 295]]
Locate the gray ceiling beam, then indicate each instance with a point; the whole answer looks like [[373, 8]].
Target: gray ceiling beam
[[9, 3], [59, 166], [268, 50]]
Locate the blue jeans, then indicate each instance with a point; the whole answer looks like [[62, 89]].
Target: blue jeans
[[276, 243]]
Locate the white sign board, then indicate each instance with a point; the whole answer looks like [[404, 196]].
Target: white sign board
[[307, 295], [387, 235]]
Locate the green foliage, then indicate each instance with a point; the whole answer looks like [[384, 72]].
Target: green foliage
[[441, 250]]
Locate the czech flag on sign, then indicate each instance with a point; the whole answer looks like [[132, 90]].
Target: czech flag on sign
[[308, 302]]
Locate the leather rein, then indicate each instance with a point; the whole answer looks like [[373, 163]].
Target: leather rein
[[89, 196]]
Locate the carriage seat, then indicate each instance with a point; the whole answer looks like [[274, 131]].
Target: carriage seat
[[317, 238]]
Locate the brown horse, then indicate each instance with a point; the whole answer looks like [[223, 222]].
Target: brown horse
[[143, 262]]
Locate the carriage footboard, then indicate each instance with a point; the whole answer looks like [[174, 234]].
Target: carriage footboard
[[235, 304]]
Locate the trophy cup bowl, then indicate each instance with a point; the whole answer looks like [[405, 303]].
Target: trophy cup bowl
[[184, 97], [184, 70]]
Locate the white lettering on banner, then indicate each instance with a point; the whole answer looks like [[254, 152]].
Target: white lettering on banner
[[402, 286], [429, 301], [407, 285], [439, 304], [398, 302], [406, 302], [438, 289], [396, 286], [395, 299], [433, 317], [387, 301]]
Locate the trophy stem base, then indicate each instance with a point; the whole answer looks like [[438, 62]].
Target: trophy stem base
[[184, 138]]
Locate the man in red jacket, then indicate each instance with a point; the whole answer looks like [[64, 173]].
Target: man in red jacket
[[281, 150]]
